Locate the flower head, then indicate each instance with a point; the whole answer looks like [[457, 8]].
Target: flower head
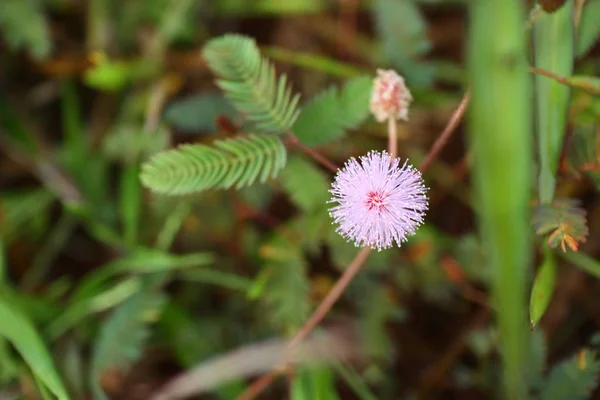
[[379, 201], [390, 97]]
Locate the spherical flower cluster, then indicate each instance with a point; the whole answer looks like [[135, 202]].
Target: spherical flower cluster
[[390, 97], [379, 201]]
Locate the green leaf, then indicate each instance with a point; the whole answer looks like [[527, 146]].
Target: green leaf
[[403, 32], [316, 62], [306, 185], [583, 154], [235, 162], [328, 115], [130, 202], [17, 329], [109, 75], [141, 261], [537, 360], [554, 52], [543, 288], [262, 7], [126, 142], [198, 113], [589, 28], [24, 24], [249, 81], [500, 130], [286, 286], [584, 262], [100, 300], [123, 335], [315, 383], [354, 100], [22, 211], [376, 309], [572, 379], [564, 221]]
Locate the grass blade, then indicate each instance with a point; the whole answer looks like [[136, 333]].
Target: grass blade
[[554, 51], [23, 335], [500, 128]]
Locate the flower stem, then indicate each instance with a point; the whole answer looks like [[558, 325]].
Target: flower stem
[[321, 159], [392, 137], [441, 141]]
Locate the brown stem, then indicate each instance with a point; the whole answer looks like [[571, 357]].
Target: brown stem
[[441, 141], [392, 137], [321, 159], [590, 88]]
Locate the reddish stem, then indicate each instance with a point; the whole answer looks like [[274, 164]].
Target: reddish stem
[[324, 161], [441, 141]]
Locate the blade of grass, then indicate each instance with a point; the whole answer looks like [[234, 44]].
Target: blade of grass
[[130, 202], [315, 62], [583, 261], [172, 224], [73, 138], [554, 43], [27, 341], [43, 259], [500, 131]]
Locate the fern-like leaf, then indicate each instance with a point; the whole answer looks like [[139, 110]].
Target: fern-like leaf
[[564, 221], [122, 338], [306, 185], [249, 81], [573, 379], [329, 114], [232, 162]]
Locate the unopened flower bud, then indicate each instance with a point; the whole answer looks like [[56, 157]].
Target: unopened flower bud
[[390, 97]]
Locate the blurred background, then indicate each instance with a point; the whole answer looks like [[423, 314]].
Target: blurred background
[[109, 291]]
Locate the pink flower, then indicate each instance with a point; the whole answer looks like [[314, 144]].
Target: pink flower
[[390, 97], [379, 202]]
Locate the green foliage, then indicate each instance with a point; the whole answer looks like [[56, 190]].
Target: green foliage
[[100, 299], [19, 209], [24, 24], [127, 141], [315, 383], [262, 7], [589, 28], [17, 329], [376, 309], [564, 221], [500, 130], [123, 336], [403, 33], [329, 114], [554, 52], [537, 360], [584, 262], [306, 185], [543, 288], [582, 151], [572, 379], [249, 81], [197, 113], [232, 162], [286, 286]]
